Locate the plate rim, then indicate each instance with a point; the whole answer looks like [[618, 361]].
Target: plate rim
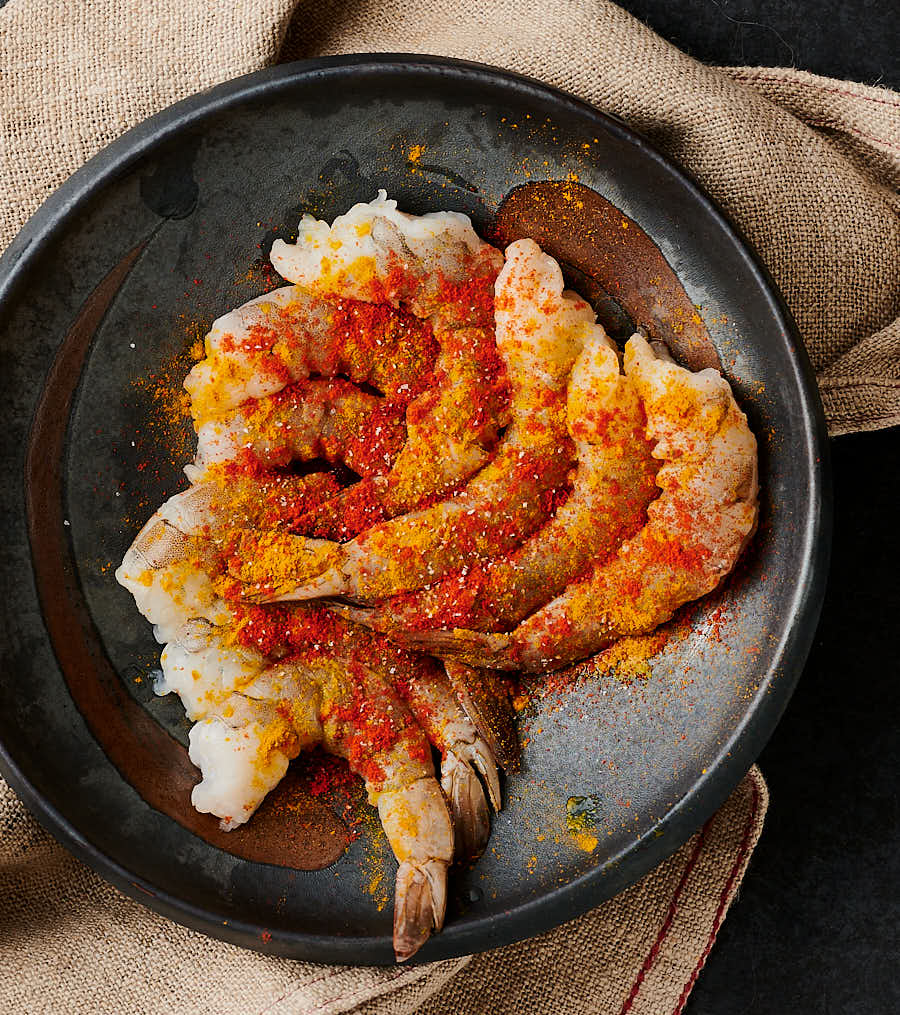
[[748, 737]]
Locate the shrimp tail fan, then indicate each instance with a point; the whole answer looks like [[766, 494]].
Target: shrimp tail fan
[[421, 902]]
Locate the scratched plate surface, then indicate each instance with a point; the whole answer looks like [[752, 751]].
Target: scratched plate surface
[[100, 297]]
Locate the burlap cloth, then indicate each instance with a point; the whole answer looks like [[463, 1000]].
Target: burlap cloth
[[808, 168]]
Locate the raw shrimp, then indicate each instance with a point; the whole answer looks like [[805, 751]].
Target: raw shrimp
[[253, 718], [171, 566], [285, 335], [166, 570], [245, 734], [540, 331], [377, 254], [243, 751], [611, 486], [169, 571], [204, 667], [423, 685], [330, 419], [442, 271], [361, 718], [696, 530]]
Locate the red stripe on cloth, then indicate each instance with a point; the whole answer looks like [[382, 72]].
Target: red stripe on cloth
[[667, 922], [723, 903]]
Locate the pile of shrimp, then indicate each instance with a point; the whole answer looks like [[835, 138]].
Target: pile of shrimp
[[420, 463]]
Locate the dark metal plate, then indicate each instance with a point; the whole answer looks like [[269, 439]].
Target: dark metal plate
[[166, 229]]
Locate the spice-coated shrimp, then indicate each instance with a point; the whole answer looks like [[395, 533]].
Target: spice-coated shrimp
[[170, 570], [423, 685], [697, 527], [170, 567], [285, 335], [244, 746], [323, 418], [611, 486], [341, 694], [437, 267], [540, 331], [165, 569]]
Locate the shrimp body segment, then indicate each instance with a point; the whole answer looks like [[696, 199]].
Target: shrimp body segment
[[164, 570], [322, 418], [377, 254], [170, 567], [696, 530], [285, 335], [540, 332]]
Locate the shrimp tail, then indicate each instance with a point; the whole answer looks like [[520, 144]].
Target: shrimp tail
[[420, 904], [468, 806], [476, 648], [485, 700]]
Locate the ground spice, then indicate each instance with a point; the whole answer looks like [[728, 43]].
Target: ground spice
[[628, 659], [283, 631]]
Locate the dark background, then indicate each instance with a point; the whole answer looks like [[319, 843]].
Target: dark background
[[854, 39], [816, 925]]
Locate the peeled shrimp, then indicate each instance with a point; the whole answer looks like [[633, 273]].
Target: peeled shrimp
[[243, 751], [442, 271], [204, 667], [317, 695], [611, 486], [169, 567], [696, 530], [165, 570], [540, 332], [375, 253], [285, 335], [247, 733], [424, 687]]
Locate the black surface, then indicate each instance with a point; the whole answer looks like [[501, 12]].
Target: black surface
[[816, 926], [854, 39], [672, 749]]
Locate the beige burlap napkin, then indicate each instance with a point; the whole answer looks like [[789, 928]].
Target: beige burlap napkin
[[72, 944], [807, 167]]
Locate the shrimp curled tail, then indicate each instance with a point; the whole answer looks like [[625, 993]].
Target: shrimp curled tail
[[420, 895], [421, 905]]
